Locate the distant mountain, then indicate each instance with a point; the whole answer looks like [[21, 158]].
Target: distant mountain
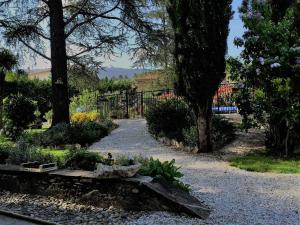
[[116, 72]]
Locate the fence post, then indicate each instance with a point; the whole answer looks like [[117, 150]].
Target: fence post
[[142, 103], [127, 105], [218, 102]]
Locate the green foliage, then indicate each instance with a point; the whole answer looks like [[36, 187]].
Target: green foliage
[[83, 134], [269, 69], [223, 132], [83, 159], [18, 115], [113, 85], [166, 170], [173, 119], [263, 163], [190, 136], [85, 102], [20, 110], [11, 131], [168, 118], [83, 78], [23, 152]]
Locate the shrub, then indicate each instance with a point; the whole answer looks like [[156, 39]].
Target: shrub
[[86, 102], [87, 133], [82, 159], [168, 118], [19, 110], [77, 133], [222, 133], [173, 119], [166, 170], [83, 117], [11, 131], [23, 152]]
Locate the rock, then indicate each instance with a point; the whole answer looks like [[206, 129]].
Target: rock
[[135, 191], [91, 195]]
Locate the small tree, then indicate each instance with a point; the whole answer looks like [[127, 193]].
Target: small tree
[[270, 69], [201, 30], [7, 62]]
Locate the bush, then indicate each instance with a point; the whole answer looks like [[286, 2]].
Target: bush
[[173, 119], [23, 153], [85, 102], [82, 159], [166, 170], [223, 132], [83, 117], [77, 133], [168, 118], [11, 131], [19, 110]]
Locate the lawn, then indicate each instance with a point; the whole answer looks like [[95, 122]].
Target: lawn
[[263, 163]]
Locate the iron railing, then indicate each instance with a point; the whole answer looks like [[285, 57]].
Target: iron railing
[[132, 104]]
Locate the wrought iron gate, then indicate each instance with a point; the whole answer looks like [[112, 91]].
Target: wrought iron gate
[[133, 104]]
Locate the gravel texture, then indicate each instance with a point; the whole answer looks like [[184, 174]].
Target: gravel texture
[[62, 211], [236, 197]]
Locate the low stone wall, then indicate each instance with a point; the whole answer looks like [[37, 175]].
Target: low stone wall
[[103, 193], [139, 193]]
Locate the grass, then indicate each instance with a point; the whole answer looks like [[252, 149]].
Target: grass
[[5, 141], [60, 154], [263, 163]]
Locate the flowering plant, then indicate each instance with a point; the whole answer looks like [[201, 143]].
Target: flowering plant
[[269, 67]]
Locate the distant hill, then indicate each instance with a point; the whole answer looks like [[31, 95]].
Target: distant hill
[[116, 72]]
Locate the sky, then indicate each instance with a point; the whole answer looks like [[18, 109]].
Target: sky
[[123, 61]]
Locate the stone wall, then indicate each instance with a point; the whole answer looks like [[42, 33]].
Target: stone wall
[[138, 193], [103, 193]]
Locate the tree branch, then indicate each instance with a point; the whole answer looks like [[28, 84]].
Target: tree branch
[[94, 16], [34, 50], [76, 14]]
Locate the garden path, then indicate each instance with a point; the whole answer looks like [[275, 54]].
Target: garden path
[[236, 197]]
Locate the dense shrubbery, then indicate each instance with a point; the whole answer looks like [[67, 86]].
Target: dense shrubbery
[[82, 159], [168, 118], [22, 152], [18, 115], [78, 133], [20, 110], [173, 119]]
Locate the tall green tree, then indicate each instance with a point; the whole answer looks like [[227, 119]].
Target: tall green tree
[[7, 62], [270, 70], [77, 31], [200, 31]]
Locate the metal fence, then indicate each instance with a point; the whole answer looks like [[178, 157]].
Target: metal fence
[[132, 104]]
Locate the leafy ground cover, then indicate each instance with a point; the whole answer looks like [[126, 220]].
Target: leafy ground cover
[[264, 163]]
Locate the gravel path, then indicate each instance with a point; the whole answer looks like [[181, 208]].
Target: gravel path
[[236, 197]]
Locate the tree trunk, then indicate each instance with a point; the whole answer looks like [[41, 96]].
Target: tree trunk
[[204, 120], [60, 96], [2, 80]]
